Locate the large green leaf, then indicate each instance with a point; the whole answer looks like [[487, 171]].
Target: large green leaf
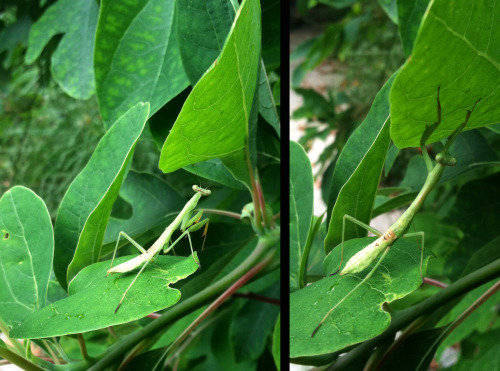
[[214, 120], [72, 65], [26, 252], [456, 51], [360, 316], [215, 170], [136, 56], [207, 23], [94, 297], [358, 170], [301, 208], [84, 211], [476, 211]]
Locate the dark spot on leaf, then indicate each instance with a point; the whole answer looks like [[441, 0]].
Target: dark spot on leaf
[[6, 236]]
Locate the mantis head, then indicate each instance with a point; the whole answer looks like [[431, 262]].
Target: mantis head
[[203, 191]]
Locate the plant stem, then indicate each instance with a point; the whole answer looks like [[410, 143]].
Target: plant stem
[[480, 301], [433, 282], [50, 351], [405, 317], [18, 360], [414, 326], [15, 342], [260, 193], [255, 197], [175, 357], [83, 348], [116, 351], [305, 255], [229, 214]]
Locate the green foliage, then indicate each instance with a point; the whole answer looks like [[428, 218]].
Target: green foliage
[[165, 79], [455, 305]]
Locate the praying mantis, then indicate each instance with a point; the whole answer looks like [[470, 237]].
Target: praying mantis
[[364, 258], [188, 224]]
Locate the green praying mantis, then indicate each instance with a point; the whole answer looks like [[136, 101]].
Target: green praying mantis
[[187, 224], [364, 258]]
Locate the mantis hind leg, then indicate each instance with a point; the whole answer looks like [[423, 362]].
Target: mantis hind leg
[[357, 222], [131, 240], [421, 234], [131, 283]]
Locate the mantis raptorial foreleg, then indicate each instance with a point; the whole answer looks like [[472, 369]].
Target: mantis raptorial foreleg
[[188, 224]]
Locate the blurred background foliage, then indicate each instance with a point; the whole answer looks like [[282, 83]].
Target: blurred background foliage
[[46, 137], [361, 43]]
